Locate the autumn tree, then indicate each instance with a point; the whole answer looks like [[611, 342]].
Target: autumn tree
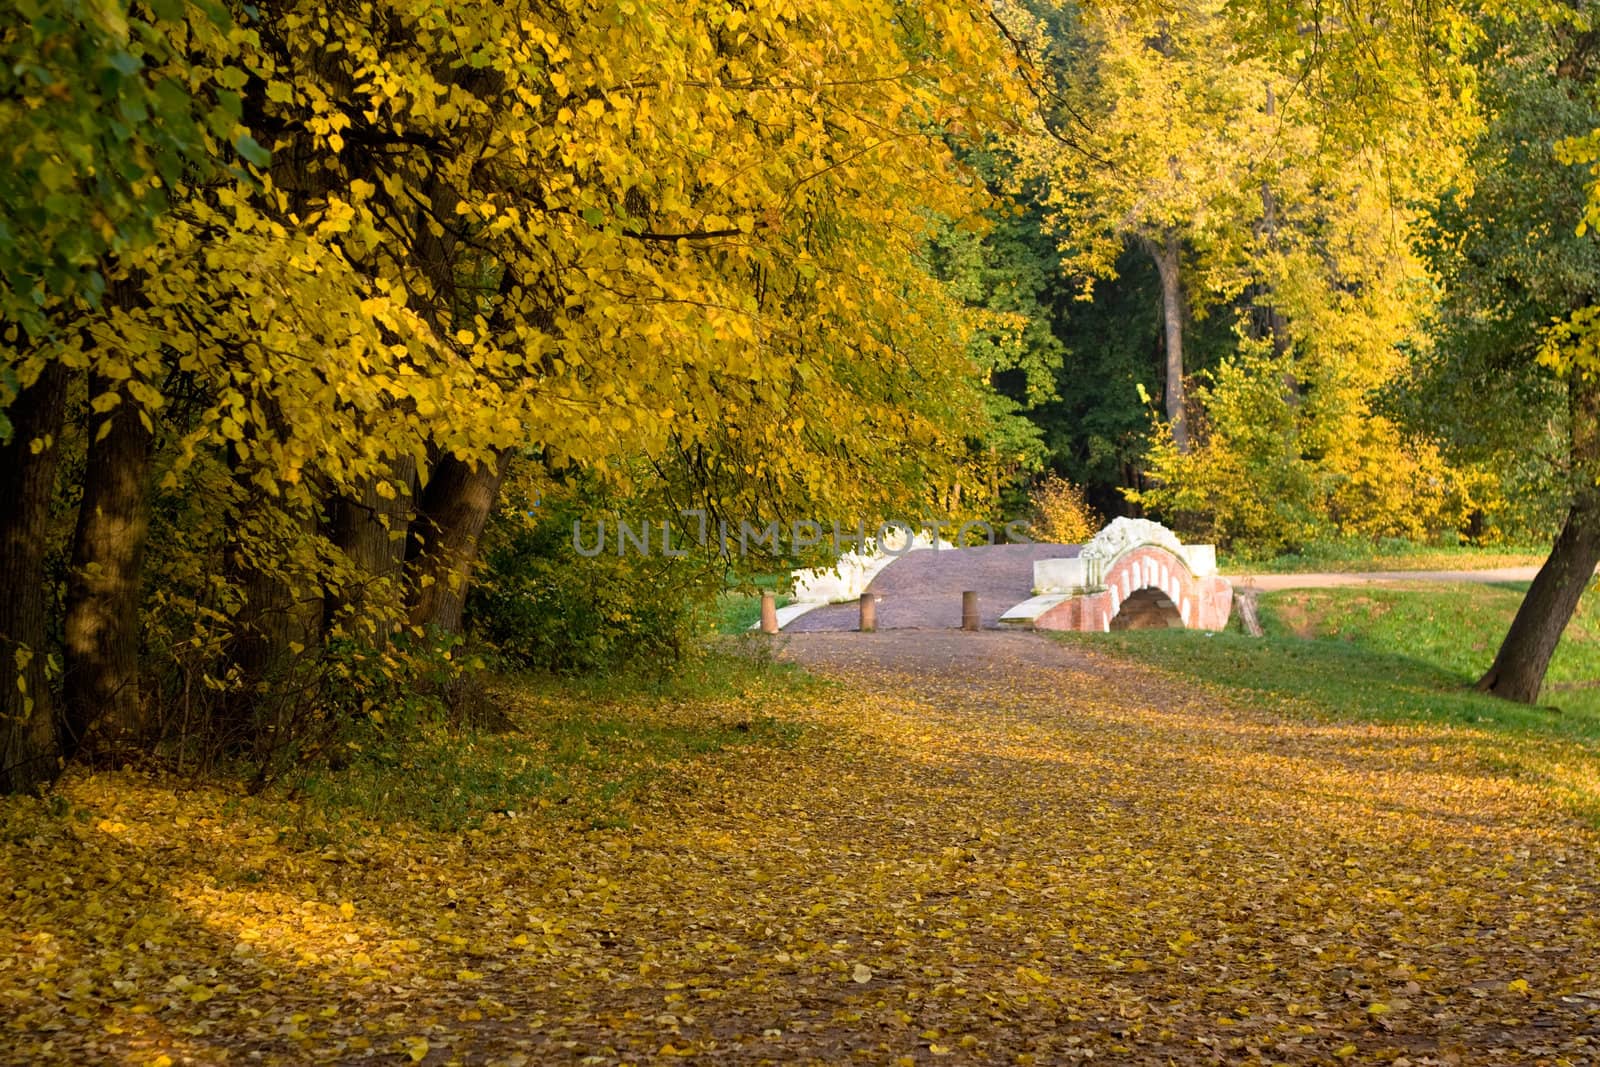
[[1154, 127], [100, 117], [467, 237], [1514, 257]]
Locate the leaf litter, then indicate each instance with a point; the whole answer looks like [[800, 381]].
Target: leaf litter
[[984, 848]]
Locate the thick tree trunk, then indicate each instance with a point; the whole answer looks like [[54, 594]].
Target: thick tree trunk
[[101, 681], [1166, 255], [371, 529], [1519, 667], [451, 513], [29, 755]]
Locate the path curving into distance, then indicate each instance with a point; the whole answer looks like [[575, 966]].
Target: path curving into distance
[[1272, 583]]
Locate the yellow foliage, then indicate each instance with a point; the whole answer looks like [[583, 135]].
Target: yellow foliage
[[1061, 514], [621, 237]]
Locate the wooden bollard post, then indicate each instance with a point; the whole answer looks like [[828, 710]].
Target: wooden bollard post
[[769, 613], [969, 610], [869, 613]]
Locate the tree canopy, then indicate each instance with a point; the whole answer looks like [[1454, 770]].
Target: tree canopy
[[300, 303]]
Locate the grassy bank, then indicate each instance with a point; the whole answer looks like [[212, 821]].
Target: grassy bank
[[1386, 554], [1401, 655], [588, 747]]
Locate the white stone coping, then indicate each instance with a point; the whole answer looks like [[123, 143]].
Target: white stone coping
[[1086, 575], [1202, 560], [1024, 613], [1067, 576], [790, 612]]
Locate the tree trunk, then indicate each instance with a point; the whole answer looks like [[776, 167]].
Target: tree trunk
[[101, 681], [275, 624], [1268, 320], [443, 547], [1519, 667], [371, 529], [1167, 260], [29, 754]]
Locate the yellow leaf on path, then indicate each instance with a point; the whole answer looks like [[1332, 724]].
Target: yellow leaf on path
[[1029, 974], [861, 973], [417, 1048], [1518, 986]]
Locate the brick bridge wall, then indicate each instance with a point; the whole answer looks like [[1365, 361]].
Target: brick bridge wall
[[1147, 587]]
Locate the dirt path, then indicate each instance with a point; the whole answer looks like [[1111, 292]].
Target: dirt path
[[1010, 852], [1268, 583], [990, 848]]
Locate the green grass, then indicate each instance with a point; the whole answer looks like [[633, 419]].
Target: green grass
[[738, 610], [1385, 554], [1409, 653], [1456, 628], [1401, 655], [585, 748]]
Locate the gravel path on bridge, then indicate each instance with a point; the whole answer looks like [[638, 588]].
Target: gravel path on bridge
[[922, 590]]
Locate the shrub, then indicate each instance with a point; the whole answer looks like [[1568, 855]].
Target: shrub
[[1061, 513], [1245, 482], [541, 605], [1274, 468]]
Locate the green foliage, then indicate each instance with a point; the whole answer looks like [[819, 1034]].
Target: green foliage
[[1248, 483], [542, 605], [100, 119], [1506, 248], [1009, 273], [1281, 462], [1097, 430]]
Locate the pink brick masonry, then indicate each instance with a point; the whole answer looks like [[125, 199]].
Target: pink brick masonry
[[1203, 603]]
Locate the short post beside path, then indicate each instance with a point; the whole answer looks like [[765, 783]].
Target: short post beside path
[[969, 610]]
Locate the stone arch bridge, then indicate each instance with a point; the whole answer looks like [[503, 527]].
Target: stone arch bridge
[[1134, 574]]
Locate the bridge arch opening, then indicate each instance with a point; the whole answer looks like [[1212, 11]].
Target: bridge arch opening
[[1147, 609]]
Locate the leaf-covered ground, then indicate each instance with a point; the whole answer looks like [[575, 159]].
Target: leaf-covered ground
[[988, 848]]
